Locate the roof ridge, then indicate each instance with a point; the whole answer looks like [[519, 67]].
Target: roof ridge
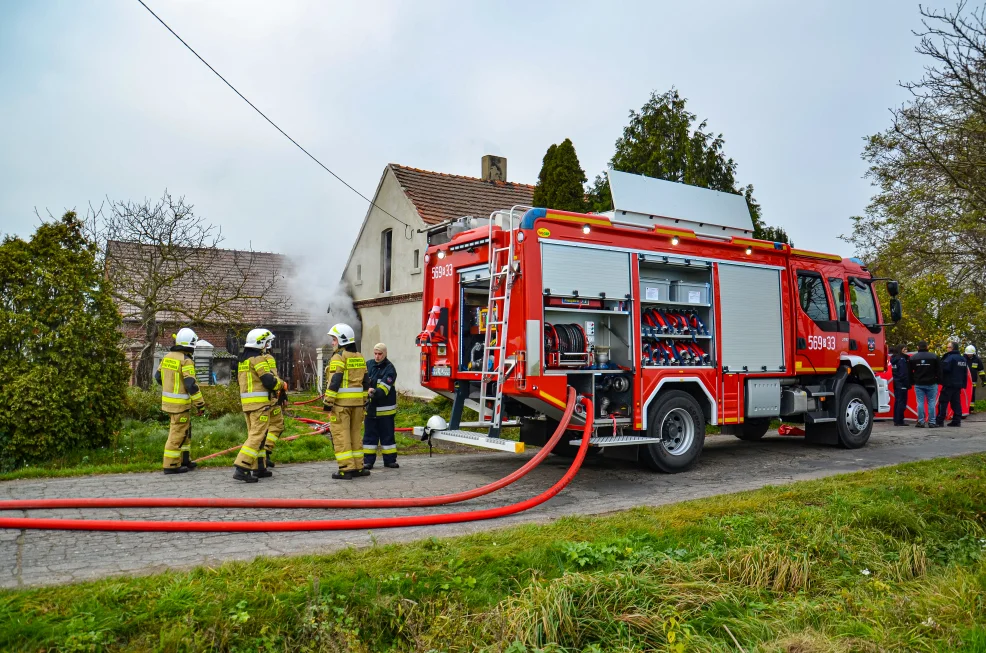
[[446, 174], [204, 249]]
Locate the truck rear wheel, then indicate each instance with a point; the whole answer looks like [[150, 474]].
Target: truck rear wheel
[[678, 421], [752, 429], [854, 421]]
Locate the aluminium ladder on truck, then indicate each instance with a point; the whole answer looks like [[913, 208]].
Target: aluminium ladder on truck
[[496, 367]]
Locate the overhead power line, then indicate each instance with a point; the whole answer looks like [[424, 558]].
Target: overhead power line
[[408, 228]]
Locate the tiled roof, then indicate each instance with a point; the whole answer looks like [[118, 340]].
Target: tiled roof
[[439, 197], [217, 275]]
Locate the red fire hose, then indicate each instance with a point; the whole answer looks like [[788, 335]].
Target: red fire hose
[[313, 525], [402, 502]]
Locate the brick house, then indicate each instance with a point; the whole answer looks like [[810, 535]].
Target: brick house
[[384, 273], [238, 273]]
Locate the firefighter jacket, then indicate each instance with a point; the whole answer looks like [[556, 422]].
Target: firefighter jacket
[[279, 397], [177, 378], [257, 382], [347, 380], [954, 370], [382, 377], [976, 368], [902, 373], [925, 368]]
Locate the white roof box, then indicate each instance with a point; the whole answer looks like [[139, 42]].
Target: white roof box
[[647, 201]]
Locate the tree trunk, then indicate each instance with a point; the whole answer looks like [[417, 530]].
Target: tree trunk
[[145, 365]]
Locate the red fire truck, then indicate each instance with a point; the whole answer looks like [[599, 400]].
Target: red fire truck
[[666, 311]]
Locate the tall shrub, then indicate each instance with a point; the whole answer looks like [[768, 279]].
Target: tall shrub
[[63, 374]]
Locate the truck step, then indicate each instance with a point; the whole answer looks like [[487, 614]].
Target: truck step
[[479, 440], [616, 441], [486, 425], [821, 394]]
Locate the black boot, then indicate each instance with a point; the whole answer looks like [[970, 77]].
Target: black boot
[[175, 470], [344, 476], [270, 463], [361, 472], [392, 465], [186, 460], [262, 471], [241, 474]]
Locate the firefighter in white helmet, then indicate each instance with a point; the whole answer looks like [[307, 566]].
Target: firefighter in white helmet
[[180, 393], [345, 396], [975, 365], [275, 426], [258, 384]]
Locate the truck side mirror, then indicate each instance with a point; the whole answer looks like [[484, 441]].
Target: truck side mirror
[[896, 310], [893, 289]]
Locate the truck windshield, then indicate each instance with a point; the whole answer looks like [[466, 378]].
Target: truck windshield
[[863, 304]]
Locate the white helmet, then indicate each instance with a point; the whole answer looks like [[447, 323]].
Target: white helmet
[[436, 423], [259, 339], [185, 338], [343, 333], [970, 351]]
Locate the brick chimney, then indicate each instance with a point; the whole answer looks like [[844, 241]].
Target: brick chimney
[[494, 168]]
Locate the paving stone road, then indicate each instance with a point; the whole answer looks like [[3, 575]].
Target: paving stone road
[[31, 558]]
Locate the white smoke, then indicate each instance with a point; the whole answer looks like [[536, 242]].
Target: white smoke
[[320, 293]]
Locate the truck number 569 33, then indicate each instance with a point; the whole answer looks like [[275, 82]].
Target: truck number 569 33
[[440, 271], [821, 342]]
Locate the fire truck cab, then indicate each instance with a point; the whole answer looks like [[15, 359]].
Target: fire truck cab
[[665, 311]]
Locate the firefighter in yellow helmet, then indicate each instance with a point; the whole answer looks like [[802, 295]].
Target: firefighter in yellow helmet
[[275, 426], [180, 393], [258, 383], [345, 397]]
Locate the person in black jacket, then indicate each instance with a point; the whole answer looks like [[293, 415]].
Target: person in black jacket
[[902, 384], [378, 429], [976, 371], [925, 369], [955, 376]]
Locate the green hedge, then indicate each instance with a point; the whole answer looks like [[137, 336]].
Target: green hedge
[[146, 404]]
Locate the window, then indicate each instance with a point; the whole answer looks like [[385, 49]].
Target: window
[[811, 295], [417, 259], [359, 274], [839, 295], [863, 304], [386, 242]]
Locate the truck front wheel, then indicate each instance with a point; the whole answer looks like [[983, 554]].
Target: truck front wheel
[[855, 419], [678, 421]]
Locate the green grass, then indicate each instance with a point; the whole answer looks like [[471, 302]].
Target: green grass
[[139, 445], [888, 560]]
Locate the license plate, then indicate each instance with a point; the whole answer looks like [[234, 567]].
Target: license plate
[[441, 370]]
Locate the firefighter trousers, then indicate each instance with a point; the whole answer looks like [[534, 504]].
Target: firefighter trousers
[[379, 431], [256, 422], [179, 439], [346, 424], [275, 427]]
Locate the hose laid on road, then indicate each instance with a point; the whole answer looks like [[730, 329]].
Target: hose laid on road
[[365, 523], [401, 502]]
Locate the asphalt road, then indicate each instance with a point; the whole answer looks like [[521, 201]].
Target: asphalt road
[[30, 558]]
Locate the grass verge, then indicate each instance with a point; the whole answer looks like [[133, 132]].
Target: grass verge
[[888, 560]]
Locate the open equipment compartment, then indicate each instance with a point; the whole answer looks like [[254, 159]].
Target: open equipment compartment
[[675, 312]]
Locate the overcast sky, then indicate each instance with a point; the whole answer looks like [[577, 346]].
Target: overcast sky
[[97, 99]]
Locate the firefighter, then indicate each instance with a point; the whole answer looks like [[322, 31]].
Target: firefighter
[[345, 396], [275, 425], [180, 394], [955, 376], [379, 425], [257, 383], [976, 370]]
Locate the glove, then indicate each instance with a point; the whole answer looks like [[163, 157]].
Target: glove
[[199, 409], [327, 408], [282, 398]]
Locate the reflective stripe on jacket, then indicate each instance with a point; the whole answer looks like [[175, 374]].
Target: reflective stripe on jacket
[[253, 394], [346, 373], [175, 368], [383, 377], [272, 366]]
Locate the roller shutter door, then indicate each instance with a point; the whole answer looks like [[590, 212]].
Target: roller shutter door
[[752, 329], [566, 270]]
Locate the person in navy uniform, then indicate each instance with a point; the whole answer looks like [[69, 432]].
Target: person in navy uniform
[[902, 384], [954, 377]]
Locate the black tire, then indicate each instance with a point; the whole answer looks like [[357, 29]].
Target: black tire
[[854, 421], [752, 429], [678, 420]]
